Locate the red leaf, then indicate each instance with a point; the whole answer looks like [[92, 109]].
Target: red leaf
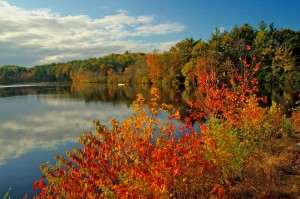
[[221, 192], [35, 185], [41, 185]]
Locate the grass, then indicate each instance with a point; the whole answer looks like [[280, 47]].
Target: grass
[[272, 172]]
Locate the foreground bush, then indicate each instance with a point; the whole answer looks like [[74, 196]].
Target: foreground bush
[[144, 157], [138, 158]]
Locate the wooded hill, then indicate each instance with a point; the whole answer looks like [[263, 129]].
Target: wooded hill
[[277, 51]]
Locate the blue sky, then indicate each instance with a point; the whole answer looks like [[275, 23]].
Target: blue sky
[[45, 31]]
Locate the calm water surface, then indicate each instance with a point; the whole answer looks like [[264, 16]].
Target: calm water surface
[[38, 121]]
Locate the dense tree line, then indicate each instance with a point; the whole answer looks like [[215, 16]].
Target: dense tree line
[[277, 51]]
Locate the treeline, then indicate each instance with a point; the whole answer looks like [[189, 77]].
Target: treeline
[[276, 50]]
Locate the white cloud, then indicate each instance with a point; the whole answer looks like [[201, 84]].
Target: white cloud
[[222, 29], [39, 36]]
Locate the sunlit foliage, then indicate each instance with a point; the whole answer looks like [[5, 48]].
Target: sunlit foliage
[[200, 155]]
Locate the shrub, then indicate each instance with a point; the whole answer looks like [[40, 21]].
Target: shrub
[[142, 157]]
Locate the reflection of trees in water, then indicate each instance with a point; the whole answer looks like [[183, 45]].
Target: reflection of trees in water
[[8, 92], [108, 93], [124, 94], [283, 95], [35, 90]]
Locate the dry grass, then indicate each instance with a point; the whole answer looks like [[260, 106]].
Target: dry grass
[[271, 173]]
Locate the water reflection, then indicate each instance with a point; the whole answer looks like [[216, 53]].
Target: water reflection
[[39, 120], [46, 122], [286, 96]]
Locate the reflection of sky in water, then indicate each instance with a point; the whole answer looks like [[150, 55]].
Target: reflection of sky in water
[[34, 128], [15, 86]]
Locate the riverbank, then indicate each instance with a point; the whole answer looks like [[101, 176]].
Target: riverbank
[[273, 171]]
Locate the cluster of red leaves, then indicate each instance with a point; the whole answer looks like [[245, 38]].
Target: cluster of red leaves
[[138, 158], [132, 160], [219, 99]]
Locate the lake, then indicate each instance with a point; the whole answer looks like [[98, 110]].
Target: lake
[[38, 121]]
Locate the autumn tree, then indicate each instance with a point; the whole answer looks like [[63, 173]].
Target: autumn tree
[[138, 71], [153, 62]]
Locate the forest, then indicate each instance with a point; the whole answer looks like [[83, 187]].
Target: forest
[[226, 145], [277, 51]]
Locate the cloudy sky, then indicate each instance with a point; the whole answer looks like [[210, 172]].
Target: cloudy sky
[[34, 32]]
